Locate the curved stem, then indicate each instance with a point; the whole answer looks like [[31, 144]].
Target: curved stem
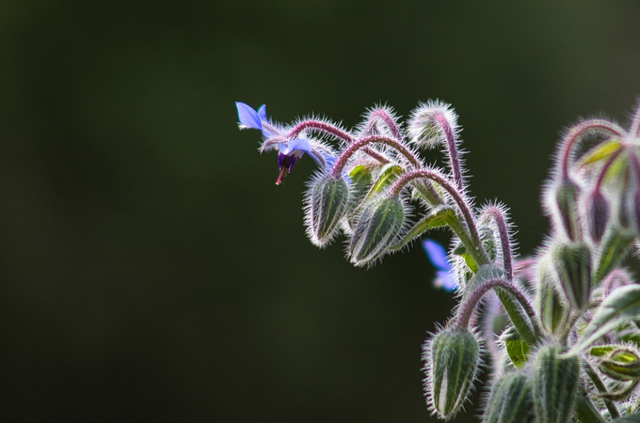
[[373, 139], [470, 303], [476, 249], [452, 147], [635, 123], [388, 120], [505, 243], [331, 130], [575, 133]]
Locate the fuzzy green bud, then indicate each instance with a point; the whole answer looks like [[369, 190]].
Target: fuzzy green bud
[[597, 212], [622, 364], [510, 400], [566, 197], [572, 263], [552, 308], [326, 205], [377, 229], [452, 359], [555, 383]]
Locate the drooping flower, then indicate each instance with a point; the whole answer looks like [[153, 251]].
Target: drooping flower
[[289, 151], [437, 255]]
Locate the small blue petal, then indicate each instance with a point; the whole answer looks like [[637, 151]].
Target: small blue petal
[[247, 116], [448, 280], [262, 112], [437, 254], [298, 146]]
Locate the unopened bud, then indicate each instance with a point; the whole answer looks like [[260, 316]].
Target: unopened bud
[[377, 229], [622, 364], [555, 383], [566, 196], [510, 400], [452, 359], [572, 263], [597, 214], [326, 204], [553, 309]]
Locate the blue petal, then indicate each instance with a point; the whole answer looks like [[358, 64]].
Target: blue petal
[[437, 254], [297, 145], [247, 116], [262, 112], [447, 280]]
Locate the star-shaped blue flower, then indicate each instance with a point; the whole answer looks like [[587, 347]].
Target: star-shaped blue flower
[[437, 255], [288, 152]]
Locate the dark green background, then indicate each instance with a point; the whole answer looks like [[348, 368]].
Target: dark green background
[[150, 270]]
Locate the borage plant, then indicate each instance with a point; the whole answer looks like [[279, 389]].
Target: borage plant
[[559, 331]]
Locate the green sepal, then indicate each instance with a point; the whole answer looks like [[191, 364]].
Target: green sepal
[[621, 305], [555, 384], [621, 364], [360, 177], [510, 400], [601, 152], [567, 194], [572, 263], [388, 175], [435, 218], [452, 360], [615, 245], [327, 205], [554, 312], [378, 227]]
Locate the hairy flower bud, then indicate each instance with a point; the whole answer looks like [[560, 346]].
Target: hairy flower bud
[[452, 359], [553, 310], [566, 196], [623, 364], [510, 400], [377, 228], [597, 214], [572, 263], [555, 383], [325, 205]]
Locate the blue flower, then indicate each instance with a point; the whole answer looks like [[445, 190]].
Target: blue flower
[[288, 151], [445, 278]]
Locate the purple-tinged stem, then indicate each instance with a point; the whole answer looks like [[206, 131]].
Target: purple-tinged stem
[[373, 139], [469, 304], [575, 133], [442, 180], [332, 130], [616, 275], [498, 216], [635, 164], [273, 141], [384, 116], [452, 148]]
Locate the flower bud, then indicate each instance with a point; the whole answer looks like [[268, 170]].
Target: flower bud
[[510, 400], [326, 204], [597, 214], [452, 359], [555, 383], [622, 364], [377, 228], [553, 310], [566, 197], [572, 264]]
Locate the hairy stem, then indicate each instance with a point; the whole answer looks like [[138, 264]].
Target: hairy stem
[[473, 244], [452, 148], [505, 244]]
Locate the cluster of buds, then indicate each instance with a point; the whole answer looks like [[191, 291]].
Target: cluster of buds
[[558, 332]]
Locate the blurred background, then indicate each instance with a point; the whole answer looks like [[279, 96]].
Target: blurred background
[[150, 270]]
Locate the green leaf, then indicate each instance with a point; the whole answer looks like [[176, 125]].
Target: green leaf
[[621, 305], [360, 176], [436, 218], [389, 174], [614, 247], [517, 348], [631, 418], [601, 152]]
